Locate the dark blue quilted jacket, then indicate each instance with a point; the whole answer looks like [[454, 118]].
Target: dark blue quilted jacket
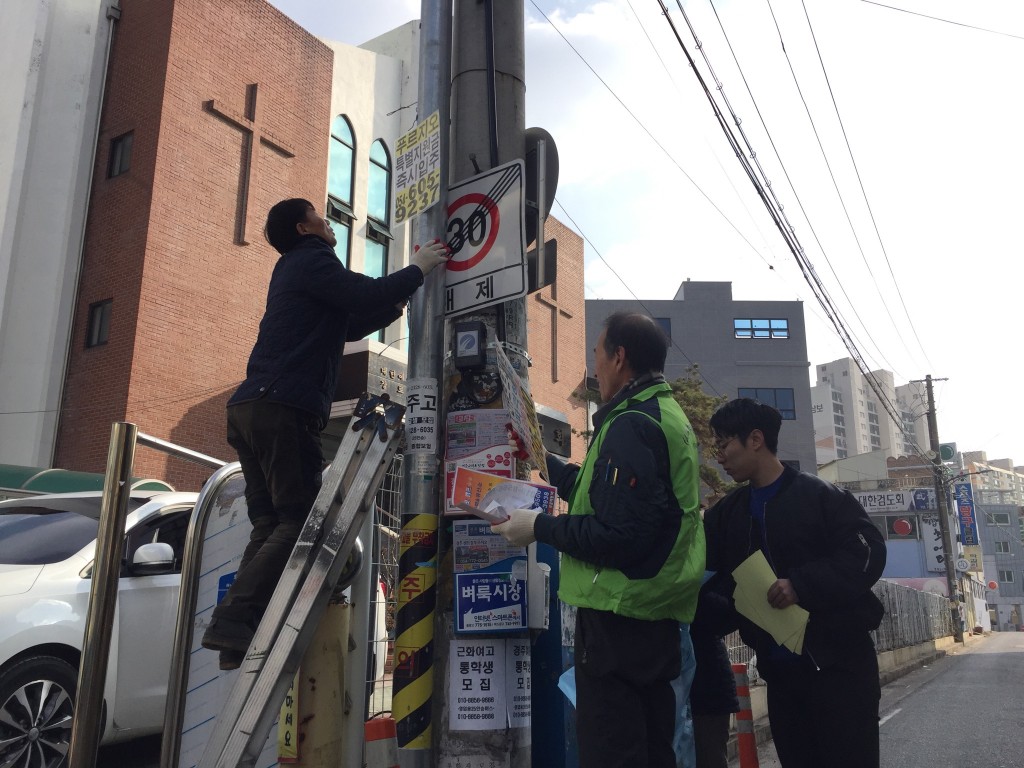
[[315, 305]]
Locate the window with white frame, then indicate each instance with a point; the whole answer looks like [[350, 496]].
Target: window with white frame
[[340, 173]]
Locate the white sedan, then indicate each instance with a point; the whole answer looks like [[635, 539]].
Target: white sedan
[[47, 546]]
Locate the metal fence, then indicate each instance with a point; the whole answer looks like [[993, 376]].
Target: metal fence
[[911, 617], [387, 525]]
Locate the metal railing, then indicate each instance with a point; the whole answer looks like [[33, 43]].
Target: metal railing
[[87, 724], [177, 683], [911, 617]]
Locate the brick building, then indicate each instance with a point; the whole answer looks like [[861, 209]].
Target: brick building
[[175, 268], [210, 114]]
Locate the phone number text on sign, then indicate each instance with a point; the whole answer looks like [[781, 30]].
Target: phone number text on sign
[[418, 169]]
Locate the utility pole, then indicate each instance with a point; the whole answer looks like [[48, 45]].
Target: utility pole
[[942, 497], [413, 676], [488, 101], [475, 75]]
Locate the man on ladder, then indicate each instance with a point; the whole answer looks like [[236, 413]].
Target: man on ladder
[[314, 305]]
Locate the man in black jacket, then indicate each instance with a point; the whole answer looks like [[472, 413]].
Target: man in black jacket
[[314, 305], [826, 554]]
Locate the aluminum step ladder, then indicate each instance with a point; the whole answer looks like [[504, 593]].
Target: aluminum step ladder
[[306, 584]]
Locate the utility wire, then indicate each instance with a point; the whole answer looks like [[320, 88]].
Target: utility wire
[[792, 186], [605, 84], [798, 251], [828, 166], [640, 301], [679, 93], [728, 178], [646, 130], [945, 21], [863, 191], [786, 229]]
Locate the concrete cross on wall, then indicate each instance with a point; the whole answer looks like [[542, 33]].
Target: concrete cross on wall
[[548, 297], [254, 133]]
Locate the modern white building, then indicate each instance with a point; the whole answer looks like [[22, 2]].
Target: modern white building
[[53, 56], [995, 481], [850, 419]]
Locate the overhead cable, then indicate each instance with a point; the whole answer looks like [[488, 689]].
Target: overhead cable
[[792, 187], [787, 231], [863, 191]]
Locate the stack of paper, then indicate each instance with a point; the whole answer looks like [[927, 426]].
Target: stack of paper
[[754, 577]]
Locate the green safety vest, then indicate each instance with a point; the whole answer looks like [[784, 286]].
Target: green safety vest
[[672, 592]]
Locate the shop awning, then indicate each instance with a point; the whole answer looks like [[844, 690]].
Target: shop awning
[[22, 480]]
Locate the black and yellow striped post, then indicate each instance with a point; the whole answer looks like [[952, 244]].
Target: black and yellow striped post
[[413, 675], [413, 670]]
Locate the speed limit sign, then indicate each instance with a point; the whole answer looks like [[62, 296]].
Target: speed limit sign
[[487, 234]]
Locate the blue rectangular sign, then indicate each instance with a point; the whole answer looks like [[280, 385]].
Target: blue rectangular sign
[[963, 500], [490, 601]]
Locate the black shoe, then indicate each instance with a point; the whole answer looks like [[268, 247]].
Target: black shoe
[[231, 659], [228, 635]]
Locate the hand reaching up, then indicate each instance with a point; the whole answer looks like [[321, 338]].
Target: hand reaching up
[[431, 255]]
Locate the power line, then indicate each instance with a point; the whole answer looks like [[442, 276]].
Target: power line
[[622, 103], [789, 180], [786, 229], [640, 301], [945, 21], [828, 166], [580, 229], [646, 130], [863, 191]]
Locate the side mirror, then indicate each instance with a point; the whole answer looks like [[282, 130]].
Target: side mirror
[[153, 559]]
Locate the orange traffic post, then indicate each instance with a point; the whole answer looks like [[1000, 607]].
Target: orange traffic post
[[746, 741], [381, 743]]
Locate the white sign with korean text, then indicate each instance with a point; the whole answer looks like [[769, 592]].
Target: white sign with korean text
[[421, 420], [487, 234], [476, 685], [885, 501], [518, 683]]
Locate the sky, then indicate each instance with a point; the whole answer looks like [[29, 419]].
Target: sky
[[888, 132]]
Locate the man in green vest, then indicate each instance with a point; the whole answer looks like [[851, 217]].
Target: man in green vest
[[632, 550]]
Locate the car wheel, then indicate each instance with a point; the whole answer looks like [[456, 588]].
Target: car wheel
[[37, 701]]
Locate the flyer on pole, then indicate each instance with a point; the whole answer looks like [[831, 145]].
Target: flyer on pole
[[496, 460], [490, 580], [483, 491]]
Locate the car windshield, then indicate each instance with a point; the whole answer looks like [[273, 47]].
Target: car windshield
[[40, 531]]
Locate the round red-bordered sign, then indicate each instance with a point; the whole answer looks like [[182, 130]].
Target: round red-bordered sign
[[475, 199], [902, 527]]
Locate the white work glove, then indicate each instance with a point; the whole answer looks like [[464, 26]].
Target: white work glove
[[431, 255], [518, 529]]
